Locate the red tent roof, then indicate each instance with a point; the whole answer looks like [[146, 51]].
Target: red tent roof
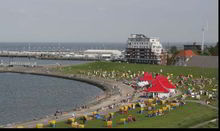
[[154, 81], [165, 82], [157, 88], [147, 76], [167, 85], [145, 73], [162, 78]]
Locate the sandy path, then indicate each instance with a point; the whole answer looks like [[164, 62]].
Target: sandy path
[[204, 123]]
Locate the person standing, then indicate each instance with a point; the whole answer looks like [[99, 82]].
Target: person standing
[[73, 115]]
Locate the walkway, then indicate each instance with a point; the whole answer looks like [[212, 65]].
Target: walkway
[[204, 123], [203, 103]]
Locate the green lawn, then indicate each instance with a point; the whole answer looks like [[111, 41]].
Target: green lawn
[[210, 125], [188, 115], [124, 67], [119, 68]]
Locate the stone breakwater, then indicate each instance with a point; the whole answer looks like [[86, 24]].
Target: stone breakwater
[[111, 95]]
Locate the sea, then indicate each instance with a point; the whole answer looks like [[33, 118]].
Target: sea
[[52, 46], [24, 97]]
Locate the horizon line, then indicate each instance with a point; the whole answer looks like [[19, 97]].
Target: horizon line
[[105, 42]]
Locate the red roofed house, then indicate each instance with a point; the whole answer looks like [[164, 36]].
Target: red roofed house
[[157, 90], [183, 56], [161, 87]]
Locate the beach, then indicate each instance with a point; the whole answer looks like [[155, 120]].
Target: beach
[[114, 93]]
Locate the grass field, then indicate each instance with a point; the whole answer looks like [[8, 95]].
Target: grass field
[[186, 116], [210, 125], [183, 117], [120, 68], [124, 67]]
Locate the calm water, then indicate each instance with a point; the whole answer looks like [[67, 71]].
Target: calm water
[[6, 60], [25, 97], [49, 46]]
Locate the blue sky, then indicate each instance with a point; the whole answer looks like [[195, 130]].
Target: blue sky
[[107, 20]]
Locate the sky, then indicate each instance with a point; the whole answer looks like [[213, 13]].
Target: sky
[[107, 20]]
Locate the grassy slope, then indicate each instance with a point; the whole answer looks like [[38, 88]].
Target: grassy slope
[[182, 117], [123, 67], [195, 113], [210, 125]]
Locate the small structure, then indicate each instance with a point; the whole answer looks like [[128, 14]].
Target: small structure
[[104, 54], [143, 83], [203, 61], [158, 90], [183, 56], [161, 87]]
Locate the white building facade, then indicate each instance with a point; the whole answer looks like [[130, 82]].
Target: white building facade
[[141, 49], [103, 54]]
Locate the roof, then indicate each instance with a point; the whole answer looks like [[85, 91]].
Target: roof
[[165, 82], [161, 77], [154, 81], [203, 61], [157, 88], [147, 77], [160, 85], [186, 53]]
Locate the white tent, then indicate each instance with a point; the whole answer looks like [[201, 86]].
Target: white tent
[[143, 83]]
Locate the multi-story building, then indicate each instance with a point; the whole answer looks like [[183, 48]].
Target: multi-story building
[[141, 49]]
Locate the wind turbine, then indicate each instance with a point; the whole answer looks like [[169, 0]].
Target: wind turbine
[[203, 35]]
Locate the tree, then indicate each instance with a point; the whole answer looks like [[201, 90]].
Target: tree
[[171, 60], [213, 50], [173, 49]]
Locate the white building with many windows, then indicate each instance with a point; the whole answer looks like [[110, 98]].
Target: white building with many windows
[[141, 49]]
